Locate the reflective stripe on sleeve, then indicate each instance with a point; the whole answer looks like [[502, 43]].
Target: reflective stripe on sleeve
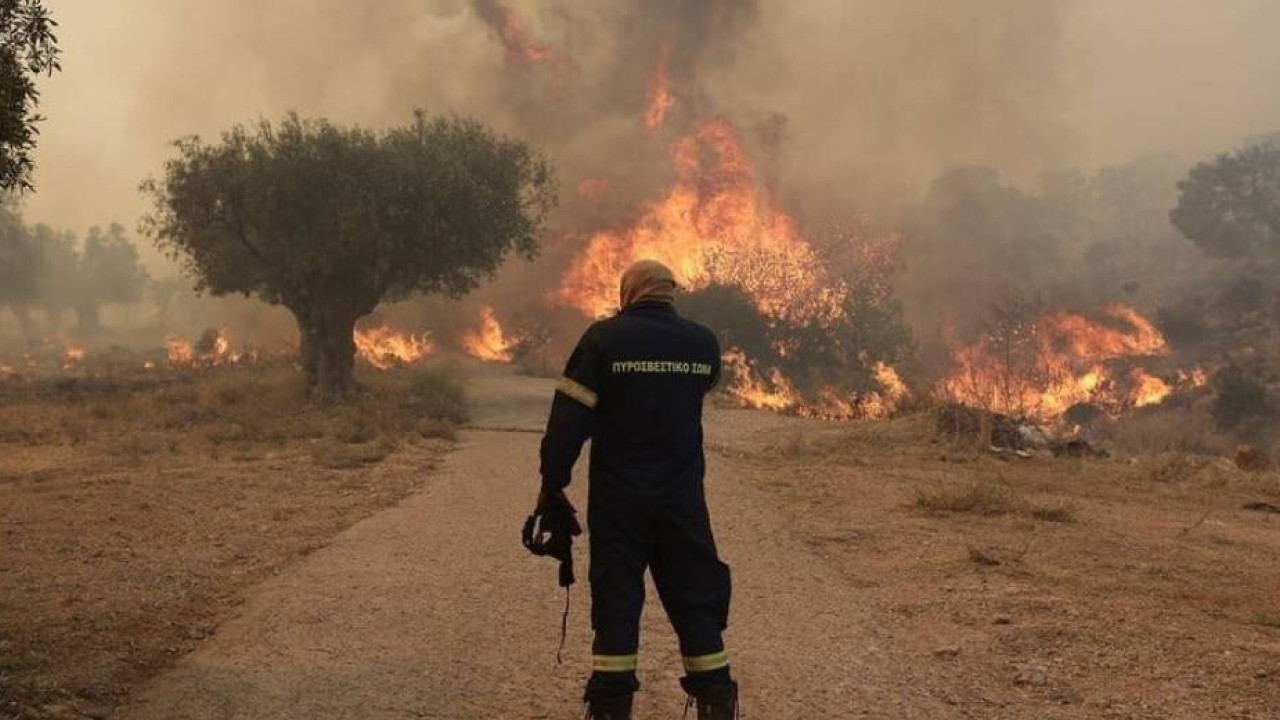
[[613, 663], [706, 663], [578, 391]]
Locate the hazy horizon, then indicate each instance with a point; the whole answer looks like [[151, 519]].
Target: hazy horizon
[[878, 99]]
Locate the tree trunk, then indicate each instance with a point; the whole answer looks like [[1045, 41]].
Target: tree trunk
[[327, 352]]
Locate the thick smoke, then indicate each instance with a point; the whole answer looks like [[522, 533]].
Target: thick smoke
[[876, 100], [852, 108], [879, 97]]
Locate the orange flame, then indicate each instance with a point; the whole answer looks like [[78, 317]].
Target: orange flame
[[1195, 377], [487, 342], [384, 347], [1067, 362], [773, 391], [661, 101], [73, 354], [179, 351], [714, 225], [213, 351], [751, 390], [1147, 389]]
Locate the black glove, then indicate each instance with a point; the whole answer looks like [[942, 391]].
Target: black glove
[[550, 531]]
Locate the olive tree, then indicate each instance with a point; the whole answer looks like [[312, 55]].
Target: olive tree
[[1230, 206], [329, 221]]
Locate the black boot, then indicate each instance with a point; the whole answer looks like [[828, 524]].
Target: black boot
[[614, 707], [718, 702]]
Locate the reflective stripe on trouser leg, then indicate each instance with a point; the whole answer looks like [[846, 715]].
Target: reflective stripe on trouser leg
[[613, 663], [706, 663]]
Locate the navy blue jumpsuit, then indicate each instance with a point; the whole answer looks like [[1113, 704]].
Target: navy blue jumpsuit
[[635, 386]]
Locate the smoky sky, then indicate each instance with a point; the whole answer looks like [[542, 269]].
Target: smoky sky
[[868, 99]]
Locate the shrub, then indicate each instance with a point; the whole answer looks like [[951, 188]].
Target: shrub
[[991, 498], [1239, 397], [436, 394], [338, 456], [984, 497], [1164, 430], [437, 429], [355, 427], [1171, 467]]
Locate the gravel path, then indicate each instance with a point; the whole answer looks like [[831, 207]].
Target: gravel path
[[433, 610]]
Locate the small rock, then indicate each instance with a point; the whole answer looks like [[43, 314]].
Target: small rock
[[947, 651], [1262, 673], [1002, 620]]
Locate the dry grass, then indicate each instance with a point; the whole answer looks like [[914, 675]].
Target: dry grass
[[1165, 430], [988, 498], [232, 408], [991, 498], [145, 510], [1124, 575]]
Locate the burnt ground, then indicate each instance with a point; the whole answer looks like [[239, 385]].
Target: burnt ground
[[878, 573]]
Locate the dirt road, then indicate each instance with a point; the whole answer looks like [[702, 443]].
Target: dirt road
[[433, 610]]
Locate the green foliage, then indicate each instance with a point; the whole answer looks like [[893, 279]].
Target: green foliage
[[1230, 206], [733, 317], [329, 221], [1238, 397], [838, 352], [28, 48], [843, 352], [304, 206]]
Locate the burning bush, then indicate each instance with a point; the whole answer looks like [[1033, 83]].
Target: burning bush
[[1033, 363], [841, 367], [488, 342]]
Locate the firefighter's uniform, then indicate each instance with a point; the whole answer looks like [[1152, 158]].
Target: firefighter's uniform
[[635, 386]]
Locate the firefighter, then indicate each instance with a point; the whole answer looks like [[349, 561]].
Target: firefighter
[[634, 385]]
